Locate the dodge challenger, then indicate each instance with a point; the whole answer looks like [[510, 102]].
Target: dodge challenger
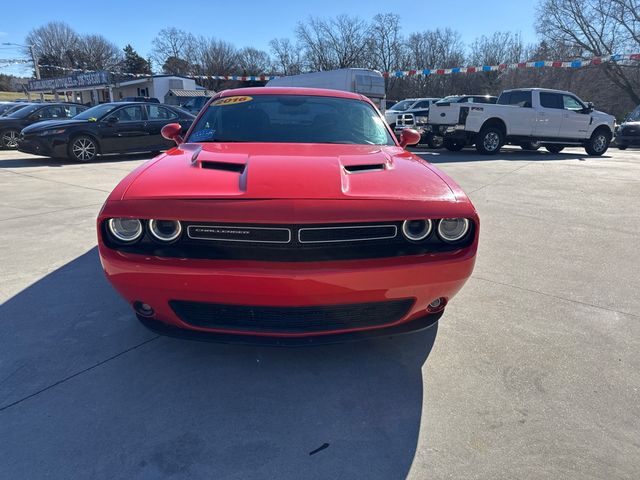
[[287, 216]]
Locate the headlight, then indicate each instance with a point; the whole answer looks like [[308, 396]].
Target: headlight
[[416, 230], [125, 229], [165, 230], [422, 119], [56, 131], [452, 229]]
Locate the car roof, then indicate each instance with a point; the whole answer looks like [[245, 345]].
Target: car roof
[[549, 90], [318, 92]]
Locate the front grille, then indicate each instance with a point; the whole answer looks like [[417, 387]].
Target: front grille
[[318, 318], [289, 243], [346, 234], [405, 120]]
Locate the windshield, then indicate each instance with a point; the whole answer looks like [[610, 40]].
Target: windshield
[[450, 99], [96, 112], [403, 105], [22, 111], [634, 116], [291, 119]]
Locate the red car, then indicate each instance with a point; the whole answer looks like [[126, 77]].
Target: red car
[[288, 216]]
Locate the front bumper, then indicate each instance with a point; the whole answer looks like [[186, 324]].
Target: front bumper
[[49, 146], [627, 140], [157, 281]]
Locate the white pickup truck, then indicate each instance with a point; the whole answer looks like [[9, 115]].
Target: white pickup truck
[[529, 117]]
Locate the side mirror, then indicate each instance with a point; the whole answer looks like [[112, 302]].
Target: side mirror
[[111, 120], [172, 131], [589, 108], [408, 137]]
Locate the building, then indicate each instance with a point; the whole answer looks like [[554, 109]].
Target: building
[[100, 87]]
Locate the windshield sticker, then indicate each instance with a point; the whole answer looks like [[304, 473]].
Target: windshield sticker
[[201, 135], [232, 100]]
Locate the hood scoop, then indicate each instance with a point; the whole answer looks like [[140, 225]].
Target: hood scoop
[[223, 166], [371, 167]]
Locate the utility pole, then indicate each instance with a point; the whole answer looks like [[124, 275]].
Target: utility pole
[[36, 67]]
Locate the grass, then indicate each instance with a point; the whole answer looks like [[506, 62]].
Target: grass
[[9, 96]]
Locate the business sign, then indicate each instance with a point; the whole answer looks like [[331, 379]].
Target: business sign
[[77, 80]]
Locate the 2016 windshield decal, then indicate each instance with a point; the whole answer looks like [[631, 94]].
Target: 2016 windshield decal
[[232, 100]]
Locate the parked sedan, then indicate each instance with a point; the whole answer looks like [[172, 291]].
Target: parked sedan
[[628, 134], [118, 127], [10, 125]]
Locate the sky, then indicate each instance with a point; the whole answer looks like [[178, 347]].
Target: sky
[[255, 23]]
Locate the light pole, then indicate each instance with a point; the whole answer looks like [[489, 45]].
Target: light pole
[[36, 68]]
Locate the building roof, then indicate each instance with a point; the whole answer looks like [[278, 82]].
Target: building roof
[[180, 92]]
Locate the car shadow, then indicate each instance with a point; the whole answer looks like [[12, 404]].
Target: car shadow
[[508, 154], [37, 161], [79, 374]]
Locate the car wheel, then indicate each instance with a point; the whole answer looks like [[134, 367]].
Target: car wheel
[[435, 142], [490, 140], [622, 147], [598, 143], [83, 149], [453, 145], [9, 139], [554, 148], [532, 146]]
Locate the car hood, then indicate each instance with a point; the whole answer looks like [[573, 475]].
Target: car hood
[[49, 124], [288, 171]]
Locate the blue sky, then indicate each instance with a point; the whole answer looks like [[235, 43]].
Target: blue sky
[[255, 23]]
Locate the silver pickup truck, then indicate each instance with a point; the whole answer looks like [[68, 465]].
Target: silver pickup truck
[[528, 117]]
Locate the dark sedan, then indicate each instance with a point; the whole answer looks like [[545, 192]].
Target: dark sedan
[[119, 127], [628, 133], [13, 123]]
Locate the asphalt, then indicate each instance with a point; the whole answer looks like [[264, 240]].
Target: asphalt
[[532, 372]]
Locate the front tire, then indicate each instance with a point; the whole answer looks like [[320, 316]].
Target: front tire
[[9, 139], [83, 149], [453, 145], [554, 148], [598, 143], [435, 142], [489, 141]]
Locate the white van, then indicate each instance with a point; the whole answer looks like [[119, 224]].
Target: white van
[[369, 83]]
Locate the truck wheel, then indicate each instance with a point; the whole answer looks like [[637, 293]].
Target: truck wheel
[[554, 148], [435, 142], [489, 140], [453, 145], [531, 146], [598, 143]]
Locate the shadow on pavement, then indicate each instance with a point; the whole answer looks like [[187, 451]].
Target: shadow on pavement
[[31, 161], [509, 154], [116, 401]]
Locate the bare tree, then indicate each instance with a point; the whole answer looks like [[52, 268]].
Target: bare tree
[[597, 27], [339, 42], [386, 45], [214, 57], [287, 58], [175, 43], [54, 43], [95, 52], [253, 61]]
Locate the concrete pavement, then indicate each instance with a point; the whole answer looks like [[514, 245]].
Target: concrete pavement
[[533, 371]]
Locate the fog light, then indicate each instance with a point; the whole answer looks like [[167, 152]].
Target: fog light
[[143, 309], [437, 305]]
